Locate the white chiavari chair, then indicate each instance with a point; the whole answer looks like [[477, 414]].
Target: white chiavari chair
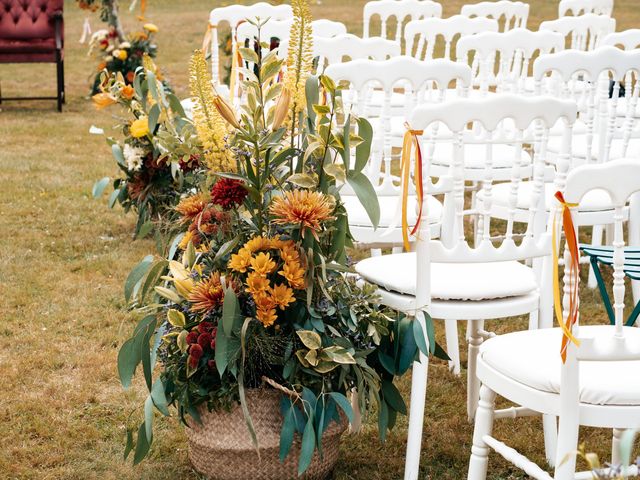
[[423, 37], [279, 30], [593, 386], [464, 275], [509, 14], [346, 47], [502, 61], [396, 12], [581, 7], [583, 32], [627, 39], [600, 134], [232, 16], [419, 82]]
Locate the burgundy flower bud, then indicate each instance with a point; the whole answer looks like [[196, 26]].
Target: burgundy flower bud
[[205, 327], [211, 364], [192, 337], [204, 340], [196, 351]]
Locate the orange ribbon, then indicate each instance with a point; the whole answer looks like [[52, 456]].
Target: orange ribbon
[[411, 140], [574, 274]]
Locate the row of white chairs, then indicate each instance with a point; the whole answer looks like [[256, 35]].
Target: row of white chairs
[[585, 29]]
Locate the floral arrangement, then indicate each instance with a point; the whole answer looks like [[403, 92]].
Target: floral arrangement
[[113, 49], [124, 57], [260, 291], [159, 156]]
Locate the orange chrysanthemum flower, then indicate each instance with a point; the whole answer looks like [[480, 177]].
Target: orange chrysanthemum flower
[[257, 284], [262, 264], [302, 207], [294, 274], [240, 261], [265, 309], [257, 244], [207, 294], [191, 207], [282, 296]]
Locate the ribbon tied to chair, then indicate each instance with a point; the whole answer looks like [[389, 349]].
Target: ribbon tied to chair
[[574, 274], [411, 140]]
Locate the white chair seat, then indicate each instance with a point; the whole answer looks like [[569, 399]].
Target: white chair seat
[[594, 201], [388, 211], [450, 281], [601, 383], [475, 156], [579, 146]]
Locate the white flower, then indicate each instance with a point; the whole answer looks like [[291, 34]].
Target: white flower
[[110, 48], [133, 157], [124, 45]]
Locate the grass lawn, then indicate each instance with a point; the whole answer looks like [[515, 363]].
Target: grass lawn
[[63, 260]]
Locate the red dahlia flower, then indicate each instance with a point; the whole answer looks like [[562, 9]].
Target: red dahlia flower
[[228, 193]]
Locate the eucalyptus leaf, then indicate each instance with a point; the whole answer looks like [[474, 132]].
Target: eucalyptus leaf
[[344, 404], [366, 194], [136, 275], [363, 150], [307, 447], [99, 186]]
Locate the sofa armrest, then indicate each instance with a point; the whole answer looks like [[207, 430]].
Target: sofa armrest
[[57, 19]]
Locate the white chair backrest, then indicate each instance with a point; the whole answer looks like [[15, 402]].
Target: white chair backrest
[[627, 39], [620, 179], [502, 60], [581, 7], [421, 36], [420, 82], [233, 15], [280, 29], [586, 78], [513, 14], [584, 32], [351, 47], [492, 241], [398, 12]]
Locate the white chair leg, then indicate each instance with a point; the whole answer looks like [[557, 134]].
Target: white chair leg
[[376, 252], [550, 428], [565, 464], [615, 446], [468, 335], [634, 238], [484, 426], [596, 239], [397, 249], [416, 415], [473, 383], [533, 320], [453, 347]]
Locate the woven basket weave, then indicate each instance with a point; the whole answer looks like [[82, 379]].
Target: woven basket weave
[[221, 447]]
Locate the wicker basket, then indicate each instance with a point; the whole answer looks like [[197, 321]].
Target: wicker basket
[[221, 447]]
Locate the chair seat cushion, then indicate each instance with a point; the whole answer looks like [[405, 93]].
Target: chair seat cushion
[[475, 156], [34, 45], [593, 201], [388, 211], [450, 281], [532, 358]]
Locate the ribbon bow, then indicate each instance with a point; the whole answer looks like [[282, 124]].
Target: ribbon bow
[[411, 140], [574, 273]]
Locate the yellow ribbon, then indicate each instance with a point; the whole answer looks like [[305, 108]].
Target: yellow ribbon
[[574, 271], [206, 41], [410, 140]]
